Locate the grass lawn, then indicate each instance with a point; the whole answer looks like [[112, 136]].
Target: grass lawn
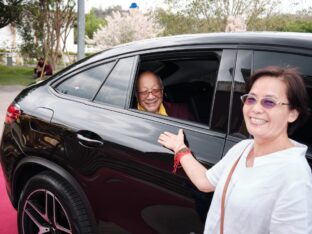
[[15, 75]]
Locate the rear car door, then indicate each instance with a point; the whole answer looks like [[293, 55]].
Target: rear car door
[[251, 60]]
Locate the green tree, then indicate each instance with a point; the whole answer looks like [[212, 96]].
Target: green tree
[[10, 11], [302, 22], [275, 22], [211, 15], [301, 25], [100, 13], [93, 23], [94, 19], [45, 26], [299, 22]]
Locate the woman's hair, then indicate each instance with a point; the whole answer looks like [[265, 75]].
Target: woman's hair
[[295, 90]]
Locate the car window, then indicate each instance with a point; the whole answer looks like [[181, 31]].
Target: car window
[[114, 89], [221, 103], [85, 84], [242, 73], [189, 82], [259, 59], [303, 63]]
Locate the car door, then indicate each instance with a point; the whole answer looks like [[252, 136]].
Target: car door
[[171, 204], [114, 153], [251, 60]]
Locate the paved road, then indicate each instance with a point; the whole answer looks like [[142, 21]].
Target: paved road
[[7, 95]]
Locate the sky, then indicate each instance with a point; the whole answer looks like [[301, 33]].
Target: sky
[[125, 4], [146, 4]]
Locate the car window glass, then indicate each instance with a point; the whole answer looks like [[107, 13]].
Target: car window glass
[[85, 84], [114, 89], [303, 63], [221, 104], [242, 73], [189, 84], [264, 58]]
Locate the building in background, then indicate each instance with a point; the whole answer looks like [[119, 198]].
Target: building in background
[[11, 40]]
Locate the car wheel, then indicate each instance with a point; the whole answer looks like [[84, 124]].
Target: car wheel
[[49, 204]]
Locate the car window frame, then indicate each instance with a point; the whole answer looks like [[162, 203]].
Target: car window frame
[[194, 126], [61, 79], [278, 49]]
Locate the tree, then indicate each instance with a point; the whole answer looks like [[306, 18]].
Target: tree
[[175, 23], [302, 22], [125, 27], [45, 27], [95, 18], [100, 13], [212, 16], [9, 11], [93, 23]]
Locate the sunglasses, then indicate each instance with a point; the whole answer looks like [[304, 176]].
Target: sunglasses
[[266, 102], [154, 92]]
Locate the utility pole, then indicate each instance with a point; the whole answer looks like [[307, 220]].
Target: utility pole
[[81, 29]]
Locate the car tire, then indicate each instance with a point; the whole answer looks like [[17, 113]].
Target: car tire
[[48, 203]]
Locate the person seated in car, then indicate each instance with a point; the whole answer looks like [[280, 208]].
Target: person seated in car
[[149, 93]]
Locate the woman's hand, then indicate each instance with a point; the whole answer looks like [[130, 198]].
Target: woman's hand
[[172, 141]]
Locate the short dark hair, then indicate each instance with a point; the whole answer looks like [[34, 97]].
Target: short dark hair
[[296, 91]]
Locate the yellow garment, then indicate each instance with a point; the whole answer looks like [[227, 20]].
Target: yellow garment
[[162, 110]]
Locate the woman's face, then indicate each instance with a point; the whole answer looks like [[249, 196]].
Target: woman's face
[[267, 124]]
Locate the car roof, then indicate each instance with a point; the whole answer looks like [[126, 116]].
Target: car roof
[[281, 39], [297, 40]]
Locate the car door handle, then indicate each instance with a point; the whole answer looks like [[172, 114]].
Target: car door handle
[[88, 142]]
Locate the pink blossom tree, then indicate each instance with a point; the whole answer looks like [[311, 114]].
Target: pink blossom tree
[[125, 27]]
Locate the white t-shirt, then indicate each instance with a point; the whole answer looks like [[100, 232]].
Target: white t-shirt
[[273, 196]]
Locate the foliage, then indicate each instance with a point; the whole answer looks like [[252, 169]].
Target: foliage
[[93, 23], [301, 25], [10, 11], [177, 23], [125, 27], [15, 75], [210, 15], [284, 23], [45, 27], [301, 22], [272, 23], [29, 48], [102, 14]]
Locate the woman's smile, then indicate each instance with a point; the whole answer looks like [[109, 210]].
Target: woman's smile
[[257, 121]]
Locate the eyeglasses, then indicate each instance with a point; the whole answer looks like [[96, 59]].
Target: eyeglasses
[[155, 92], [266, 102]]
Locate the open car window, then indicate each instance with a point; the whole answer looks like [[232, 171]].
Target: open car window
[[189, 82]]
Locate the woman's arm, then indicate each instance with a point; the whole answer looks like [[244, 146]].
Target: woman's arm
[[193, 169]]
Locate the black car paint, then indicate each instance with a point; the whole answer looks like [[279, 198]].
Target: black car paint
[[124, 173]]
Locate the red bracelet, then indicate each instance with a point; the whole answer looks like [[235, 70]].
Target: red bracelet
[[182, 152]]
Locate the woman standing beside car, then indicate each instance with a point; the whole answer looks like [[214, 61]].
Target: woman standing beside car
[[264, 184]]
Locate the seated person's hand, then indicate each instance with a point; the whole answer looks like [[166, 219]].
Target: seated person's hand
[[172, 141]]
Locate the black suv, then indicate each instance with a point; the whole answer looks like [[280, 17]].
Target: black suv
[[78, 157]]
